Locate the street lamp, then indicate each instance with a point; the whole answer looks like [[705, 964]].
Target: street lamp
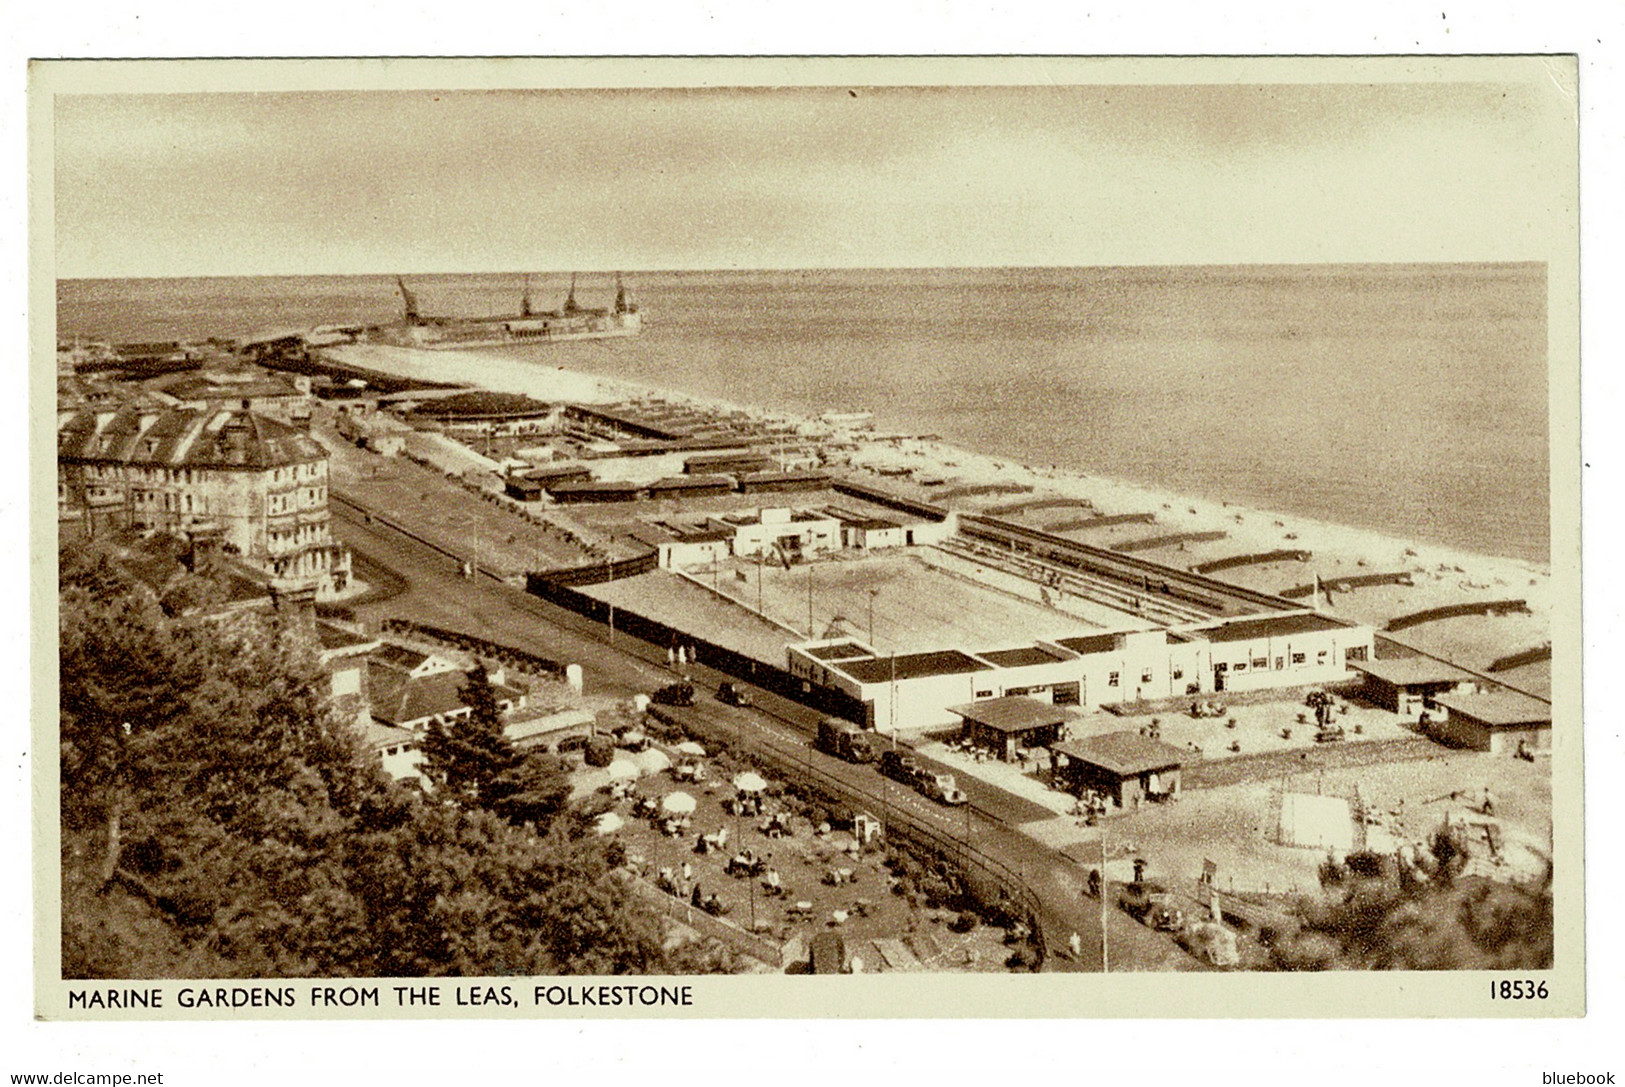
[[872, 594]]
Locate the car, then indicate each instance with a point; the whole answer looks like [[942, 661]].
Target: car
[[732, 694], [1152, 905], [845, 740], [674, 694]]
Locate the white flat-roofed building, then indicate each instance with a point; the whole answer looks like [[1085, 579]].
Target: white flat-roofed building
[[1284, 650]]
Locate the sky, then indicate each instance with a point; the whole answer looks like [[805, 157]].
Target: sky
[[799, 177]]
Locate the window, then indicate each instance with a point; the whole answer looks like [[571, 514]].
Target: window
[[1280, 663], [1221, 667], [1241, 666], [1261, 662], [1145, 676], [1355, 653], [984, 694], [1320, 658], [1299, 658], [1179, 673], [1111, 680]]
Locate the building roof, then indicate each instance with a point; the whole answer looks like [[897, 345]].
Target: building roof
[[482, 404], [837, 651], [542, 724], [1014, 713], [1019, 656], [336, 638], [784, 477], [1271, 626], [559, 471], [398, 699], [596, 487], [1090, 643], [216, 384], [399, 656], [182, 437], [1125, 754], [377, 736], [692, 483], [1501, 708], [1409, 671], [943, 662]]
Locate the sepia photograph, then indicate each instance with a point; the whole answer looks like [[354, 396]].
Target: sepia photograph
[[654, 523]]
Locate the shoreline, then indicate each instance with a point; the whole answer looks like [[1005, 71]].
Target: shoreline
[[1442, 573]]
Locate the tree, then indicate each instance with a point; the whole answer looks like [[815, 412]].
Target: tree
[[468, 757], [248, 834]]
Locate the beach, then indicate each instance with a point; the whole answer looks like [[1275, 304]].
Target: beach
[[929, 469]]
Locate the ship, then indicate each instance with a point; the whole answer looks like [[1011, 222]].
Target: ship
[[530, 325]]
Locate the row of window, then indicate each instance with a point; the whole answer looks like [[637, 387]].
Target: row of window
[[308, 498]]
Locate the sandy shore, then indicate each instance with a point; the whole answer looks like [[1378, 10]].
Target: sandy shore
[[1442, 575]]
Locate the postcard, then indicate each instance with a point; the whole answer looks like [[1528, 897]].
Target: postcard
[[1027, 537]]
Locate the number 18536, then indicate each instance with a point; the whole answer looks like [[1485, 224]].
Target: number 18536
[[1517, 990]]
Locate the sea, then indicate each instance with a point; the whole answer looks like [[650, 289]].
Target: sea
[[1409, 399]]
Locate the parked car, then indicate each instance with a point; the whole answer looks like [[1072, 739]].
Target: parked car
[[732, 694], [1151, 904], [845, 740], [674, 694]]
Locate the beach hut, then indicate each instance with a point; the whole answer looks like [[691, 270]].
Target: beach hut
[[1500, 721], [1004, 725], [1124, 766], [622, 769], [608, 823]]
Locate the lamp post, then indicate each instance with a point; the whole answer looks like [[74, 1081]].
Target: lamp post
[[872, 594]]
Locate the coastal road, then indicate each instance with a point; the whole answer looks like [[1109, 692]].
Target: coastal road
[[617, 665]]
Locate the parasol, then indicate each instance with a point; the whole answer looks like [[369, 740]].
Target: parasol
[[678, 804]]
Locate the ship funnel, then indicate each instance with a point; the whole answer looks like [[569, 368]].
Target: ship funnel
[[570, 302], [623, 302], [524, 303]]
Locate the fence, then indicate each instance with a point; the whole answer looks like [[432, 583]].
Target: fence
[[889, 500], [1151, 543], [522, 659], [1257, 559], [1452, 611], [597, 573], [706, 925]]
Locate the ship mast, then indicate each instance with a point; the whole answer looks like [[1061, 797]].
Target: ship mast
[[409, 300], [622, 303]]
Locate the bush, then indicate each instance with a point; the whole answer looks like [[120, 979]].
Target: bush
[[965, 922], [600, 751]]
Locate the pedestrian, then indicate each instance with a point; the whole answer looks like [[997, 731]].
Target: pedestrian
[[1076, 944]]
